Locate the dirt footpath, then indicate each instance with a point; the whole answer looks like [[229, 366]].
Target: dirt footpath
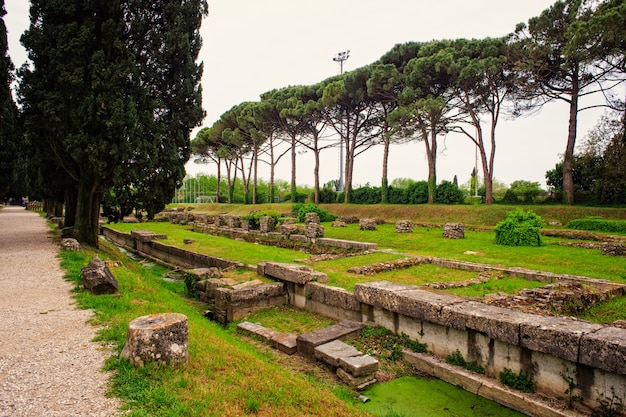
[[48, 364]]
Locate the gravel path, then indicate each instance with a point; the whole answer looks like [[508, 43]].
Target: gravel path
[[48, 364]]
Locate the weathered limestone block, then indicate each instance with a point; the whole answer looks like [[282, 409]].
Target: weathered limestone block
[[299, 274], [359, 365], [311, 218], [343, 330], [159, 338], [230, 305], [145, 236], [404, 226], [70, 244], [347, 244], [454, 230], [314, 230], [367, 224], [97, 279], [266, 224], [332, 352], [406, 299], [359, 383], [498, 323], [557, 336], [332, 296], [605, 349]]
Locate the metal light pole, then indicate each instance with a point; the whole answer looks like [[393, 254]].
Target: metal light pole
[[341, 57]]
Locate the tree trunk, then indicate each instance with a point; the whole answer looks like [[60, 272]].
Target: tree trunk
[[294, 191], [316, 175], [568, 158], [256, 173], [384, 197], [70, 207], [87, 212], [219, 180], [349, 160], [431, 156]]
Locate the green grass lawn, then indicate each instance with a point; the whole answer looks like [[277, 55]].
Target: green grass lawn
[[423, 241], [477, 246]]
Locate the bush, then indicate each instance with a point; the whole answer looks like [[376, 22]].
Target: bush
[[300, 211], [519, 229], [398, 196], [598, 223], [417, 192], [448, 193], [366, 195], [327, 196]]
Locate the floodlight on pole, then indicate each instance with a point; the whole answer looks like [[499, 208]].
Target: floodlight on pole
[[341, 57]]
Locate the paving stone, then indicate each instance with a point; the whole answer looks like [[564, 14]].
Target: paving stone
[[343, 330], [257, 330], [331, 352], [359, 365], [285, 342]]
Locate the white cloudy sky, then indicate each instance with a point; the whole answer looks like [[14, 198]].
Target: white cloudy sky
[[254, 46]]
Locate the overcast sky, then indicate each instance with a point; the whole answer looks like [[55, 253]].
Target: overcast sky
[[254, 46]]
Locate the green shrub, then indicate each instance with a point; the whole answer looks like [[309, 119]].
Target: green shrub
[[597, 223], [448, 193], [327, 195], [519, 229], [417, 192], [366, 195], [300, 210], [522, 381]]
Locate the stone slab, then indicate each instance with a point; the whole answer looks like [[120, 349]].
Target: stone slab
[[299, 274], [330, 353], [347, 244], [359, 365], [557, 336], [406, 299], [605, 349], [267, 335], [343, 330], [286, 343], [332, 296], [360, 383], [498, 323]]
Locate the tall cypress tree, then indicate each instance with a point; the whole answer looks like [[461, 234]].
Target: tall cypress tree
[[105, 94], [8, 116]]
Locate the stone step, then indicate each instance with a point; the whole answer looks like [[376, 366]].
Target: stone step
[[332, 352], [359, 366], [285, 342], [343, 330]]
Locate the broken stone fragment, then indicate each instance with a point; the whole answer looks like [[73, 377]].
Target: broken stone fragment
[[97, 278]]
